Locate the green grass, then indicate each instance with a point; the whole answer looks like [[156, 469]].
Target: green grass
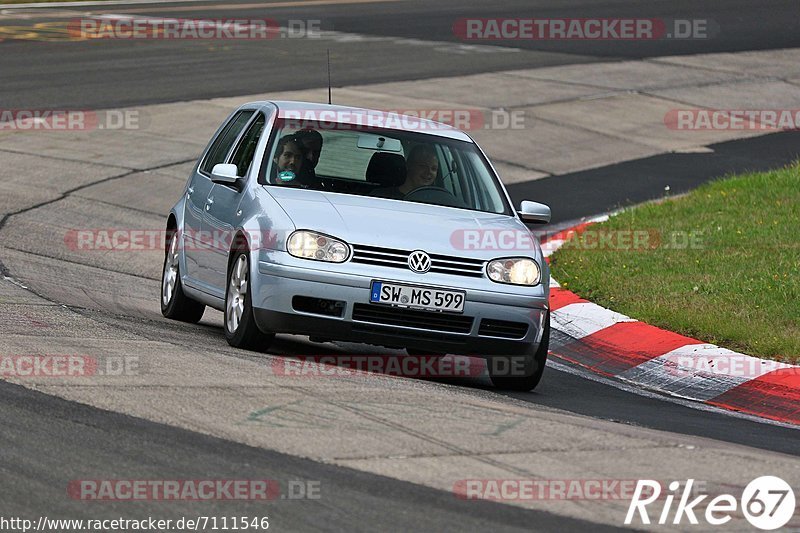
[[737, 284]]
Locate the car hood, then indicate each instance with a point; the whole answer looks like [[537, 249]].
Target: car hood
[[407, 225]]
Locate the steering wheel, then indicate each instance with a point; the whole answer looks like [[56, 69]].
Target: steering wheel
[[429, 194]]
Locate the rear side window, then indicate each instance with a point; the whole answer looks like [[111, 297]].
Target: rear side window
[[222, 144], [243, 156]]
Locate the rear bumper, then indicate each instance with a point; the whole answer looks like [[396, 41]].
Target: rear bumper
[[274, 287]]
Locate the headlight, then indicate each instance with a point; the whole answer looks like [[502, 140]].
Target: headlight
[[311, 245], [514, 270]]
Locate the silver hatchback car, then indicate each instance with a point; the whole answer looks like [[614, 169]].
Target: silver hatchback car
[[359, 225]]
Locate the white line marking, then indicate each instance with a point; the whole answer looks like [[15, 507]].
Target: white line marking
[[439, 46], [665, 397], [551, 246], [699, 371], [579, 320]]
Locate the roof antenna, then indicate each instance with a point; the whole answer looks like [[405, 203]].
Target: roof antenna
[[329, 76]]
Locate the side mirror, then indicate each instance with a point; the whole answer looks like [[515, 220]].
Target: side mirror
[[224, 173], [534, 212]]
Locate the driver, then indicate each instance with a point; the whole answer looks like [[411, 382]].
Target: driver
[[422, 166]]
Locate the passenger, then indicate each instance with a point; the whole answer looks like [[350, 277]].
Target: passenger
[[422, 166], [312, 140]]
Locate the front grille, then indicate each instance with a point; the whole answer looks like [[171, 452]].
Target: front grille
[[412, 318], [441, 264], [502, 328]]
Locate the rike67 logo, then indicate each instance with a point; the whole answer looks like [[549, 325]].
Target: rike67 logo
[[767, 502]]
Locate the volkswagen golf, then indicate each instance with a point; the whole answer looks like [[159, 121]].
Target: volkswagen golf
[[359, 225]]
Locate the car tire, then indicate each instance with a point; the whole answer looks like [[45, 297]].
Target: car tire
[[534, 366], [241, 330], [174, 302]]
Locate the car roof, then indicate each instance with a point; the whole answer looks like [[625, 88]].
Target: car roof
[[357, 115]]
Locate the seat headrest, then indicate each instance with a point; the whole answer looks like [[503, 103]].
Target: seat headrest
[[386, 169]]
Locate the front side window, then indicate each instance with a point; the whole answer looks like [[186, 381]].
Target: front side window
[[243, 156], [224, 141], [395, 164]]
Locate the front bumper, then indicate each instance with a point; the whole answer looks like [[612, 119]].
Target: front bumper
[[275, 284]]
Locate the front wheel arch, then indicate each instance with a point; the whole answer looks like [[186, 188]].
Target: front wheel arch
[[238, 244], [172, 227], [247, 334]]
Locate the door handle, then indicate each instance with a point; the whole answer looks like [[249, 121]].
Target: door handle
[[189, 192], [209, 203]]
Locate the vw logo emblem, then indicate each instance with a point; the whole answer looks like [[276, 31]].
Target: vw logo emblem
[[419, 261]]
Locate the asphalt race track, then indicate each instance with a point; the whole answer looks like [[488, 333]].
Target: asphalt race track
[[386, 452], [112, 74]]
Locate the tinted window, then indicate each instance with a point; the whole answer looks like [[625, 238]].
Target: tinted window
[[244, 153], [223, 142]]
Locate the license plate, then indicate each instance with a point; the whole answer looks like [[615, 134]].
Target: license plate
[[415, 297]]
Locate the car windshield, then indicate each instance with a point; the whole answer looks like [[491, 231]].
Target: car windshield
[[385, 163]]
